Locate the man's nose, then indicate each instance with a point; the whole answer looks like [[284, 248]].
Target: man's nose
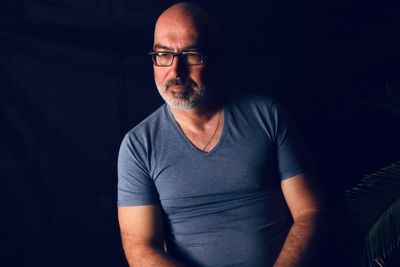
[[179, 67]]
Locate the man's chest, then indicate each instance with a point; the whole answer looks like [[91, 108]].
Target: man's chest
[[239, 164]]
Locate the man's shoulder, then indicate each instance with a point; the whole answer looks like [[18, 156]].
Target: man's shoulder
[[252, 101], [147, 126]]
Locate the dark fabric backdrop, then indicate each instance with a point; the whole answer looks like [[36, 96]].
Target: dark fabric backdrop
[[75, 77]]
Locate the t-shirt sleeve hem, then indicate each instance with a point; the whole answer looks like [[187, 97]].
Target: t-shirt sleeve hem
[[142, 202], [292, 173]]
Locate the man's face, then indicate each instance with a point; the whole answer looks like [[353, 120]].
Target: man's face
[[180, 85]]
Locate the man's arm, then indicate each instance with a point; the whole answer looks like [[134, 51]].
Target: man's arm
[[302, 197], [142, 236]]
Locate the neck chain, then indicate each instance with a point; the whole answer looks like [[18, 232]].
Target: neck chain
[[215, 132]]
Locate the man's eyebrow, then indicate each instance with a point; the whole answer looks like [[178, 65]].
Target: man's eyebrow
[[162, 47], [186, 48]]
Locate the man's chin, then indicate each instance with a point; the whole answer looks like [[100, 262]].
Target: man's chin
[[180, 103], [184, 100]]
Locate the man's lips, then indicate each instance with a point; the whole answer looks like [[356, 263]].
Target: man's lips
[[177, 88]]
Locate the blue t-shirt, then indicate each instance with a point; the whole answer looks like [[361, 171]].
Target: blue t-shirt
[[225, 207]]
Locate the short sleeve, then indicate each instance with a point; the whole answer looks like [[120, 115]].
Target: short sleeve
[[135, 186], [292, 154]]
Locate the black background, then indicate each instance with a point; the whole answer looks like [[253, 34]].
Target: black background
[[75, 77]]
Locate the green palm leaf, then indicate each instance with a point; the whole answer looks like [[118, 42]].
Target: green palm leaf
[[374, 209]]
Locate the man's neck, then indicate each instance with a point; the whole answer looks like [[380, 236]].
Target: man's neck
[[197, 117]]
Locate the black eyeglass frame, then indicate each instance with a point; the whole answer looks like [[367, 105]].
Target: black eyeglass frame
[[153, 53]]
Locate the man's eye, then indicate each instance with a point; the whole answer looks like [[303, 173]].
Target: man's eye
[[192, 54], [163, 54]]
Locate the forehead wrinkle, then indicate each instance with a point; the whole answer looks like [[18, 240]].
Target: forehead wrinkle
[[175, 31]]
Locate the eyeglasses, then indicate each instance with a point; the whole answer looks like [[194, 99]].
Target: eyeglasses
[[165, 59]]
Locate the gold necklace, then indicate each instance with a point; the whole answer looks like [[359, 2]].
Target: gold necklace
[[215, 132]]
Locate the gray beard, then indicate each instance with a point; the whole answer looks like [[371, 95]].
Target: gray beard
[[185, 101]]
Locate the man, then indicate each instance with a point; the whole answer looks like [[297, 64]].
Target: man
[[222, 181]]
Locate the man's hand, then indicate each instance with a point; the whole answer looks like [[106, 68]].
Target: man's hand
[[142, 236], [302, 197]]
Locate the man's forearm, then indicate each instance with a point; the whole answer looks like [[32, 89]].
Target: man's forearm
[[301, 242], [145, 256]]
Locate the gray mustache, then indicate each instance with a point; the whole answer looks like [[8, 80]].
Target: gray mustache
[[175, 82]]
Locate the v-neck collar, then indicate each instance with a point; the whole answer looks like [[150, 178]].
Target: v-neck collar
[[186, 140]]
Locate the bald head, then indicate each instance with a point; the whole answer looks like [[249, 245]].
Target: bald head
[[189, 20]]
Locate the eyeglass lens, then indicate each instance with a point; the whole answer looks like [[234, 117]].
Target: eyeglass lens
[[166, 59]]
